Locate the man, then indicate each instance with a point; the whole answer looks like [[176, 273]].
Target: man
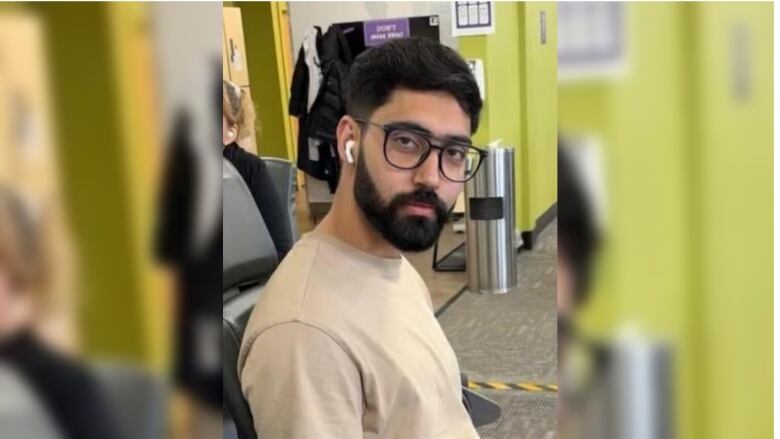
[[343, 342], [578, 241], [584, 400]]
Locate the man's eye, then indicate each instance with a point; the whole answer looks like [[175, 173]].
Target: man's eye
[[456, 153], [406, 142]]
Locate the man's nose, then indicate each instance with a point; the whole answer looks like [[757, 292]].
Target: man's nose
[[427, 174]]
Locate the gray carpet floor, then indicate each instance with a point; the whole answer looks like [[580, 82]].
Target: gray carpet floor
[[512, 338]]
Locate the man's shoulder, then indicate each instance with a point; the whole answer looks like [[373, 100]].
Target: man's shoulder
[[288, 338], [284, 293], [283, 298], [414, 276]]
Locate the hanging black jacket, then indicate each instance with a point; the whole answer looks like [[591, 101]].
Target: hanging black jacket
[[198, 271], [329, 106]]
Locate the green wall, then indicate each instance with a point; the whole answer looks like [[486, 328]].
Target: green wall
[[688, 171], [263, 77], [733, 137], [90, 155], [521, 100], [540, 120], [501, 54], [639, 119]]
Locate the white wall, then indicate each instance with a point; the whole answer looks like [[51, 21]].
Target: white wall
[[188, 53], [188, 49]]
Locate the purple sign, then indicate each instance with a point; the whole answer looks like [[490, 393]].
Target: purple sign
[[381, 31]]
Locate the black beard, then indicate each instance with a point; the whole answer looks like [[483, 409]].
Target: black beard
[[407, 233]]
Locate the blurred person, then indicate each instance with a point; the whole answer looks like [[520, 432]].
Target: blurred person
[[189, 242], [68, 394], [583, 363], [578, 241], [343, 343], [238, 121]]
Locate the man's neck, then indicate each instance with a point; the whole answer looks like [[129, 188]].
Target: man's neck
[[346, 222]]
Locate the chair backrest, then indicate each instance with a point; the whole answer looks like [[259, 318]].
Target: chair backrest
[[136, 399], [22, 412], [248, 252], [235, 316], [283, 174], [249, 258]]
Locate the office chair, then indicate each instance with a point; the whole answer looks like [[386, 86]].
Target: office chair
[[248, 259]]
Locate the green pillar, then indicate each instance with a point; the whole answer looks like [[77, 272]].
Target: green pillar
[[90, 155], [263, 62], [521, 101]]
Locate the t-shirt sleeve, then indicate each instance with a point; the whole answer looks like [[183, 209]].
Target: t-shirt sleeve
[[300, 383]]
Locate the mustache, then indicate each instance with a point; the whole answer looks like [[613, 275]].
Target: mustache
[[422, 196]]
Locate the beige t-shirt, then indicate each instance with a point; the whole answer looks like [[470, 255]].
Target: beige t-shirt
[[343, 344]]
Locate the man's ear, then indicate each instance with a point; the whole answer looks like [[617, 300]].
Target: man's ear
[[347, 131]]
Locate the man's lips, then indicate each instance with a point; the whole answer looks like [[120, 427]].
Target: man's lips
[[421, 209]]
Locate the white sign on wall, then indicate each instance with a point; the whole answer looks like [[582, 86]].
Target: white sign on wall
[[592, 40], [473, 18], [478, 70]]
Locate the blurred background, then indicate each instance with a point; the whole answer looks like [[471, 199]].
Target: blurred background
[[90, 94], [666, 111]]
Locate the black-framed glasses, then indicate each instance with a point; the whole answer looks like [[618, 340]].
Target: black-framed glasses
[[406, 148]]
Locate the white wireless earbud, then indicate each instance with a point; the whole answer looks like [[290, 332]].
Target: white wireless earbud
[[348, 151]]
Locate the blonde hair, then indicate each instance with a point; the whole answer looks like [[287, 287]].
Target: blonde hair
[[238, 109]]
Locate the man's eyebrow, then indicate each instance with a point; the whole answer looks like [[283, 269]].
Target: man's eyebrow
[[414, 126]]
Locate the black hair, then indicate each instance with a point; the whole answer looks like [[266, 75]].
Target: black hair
[[577, 231], [420, 64]]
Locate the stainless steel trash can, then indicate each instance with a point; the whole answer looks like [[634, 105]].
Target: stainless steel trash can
[[491, 255], [641, 376]]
